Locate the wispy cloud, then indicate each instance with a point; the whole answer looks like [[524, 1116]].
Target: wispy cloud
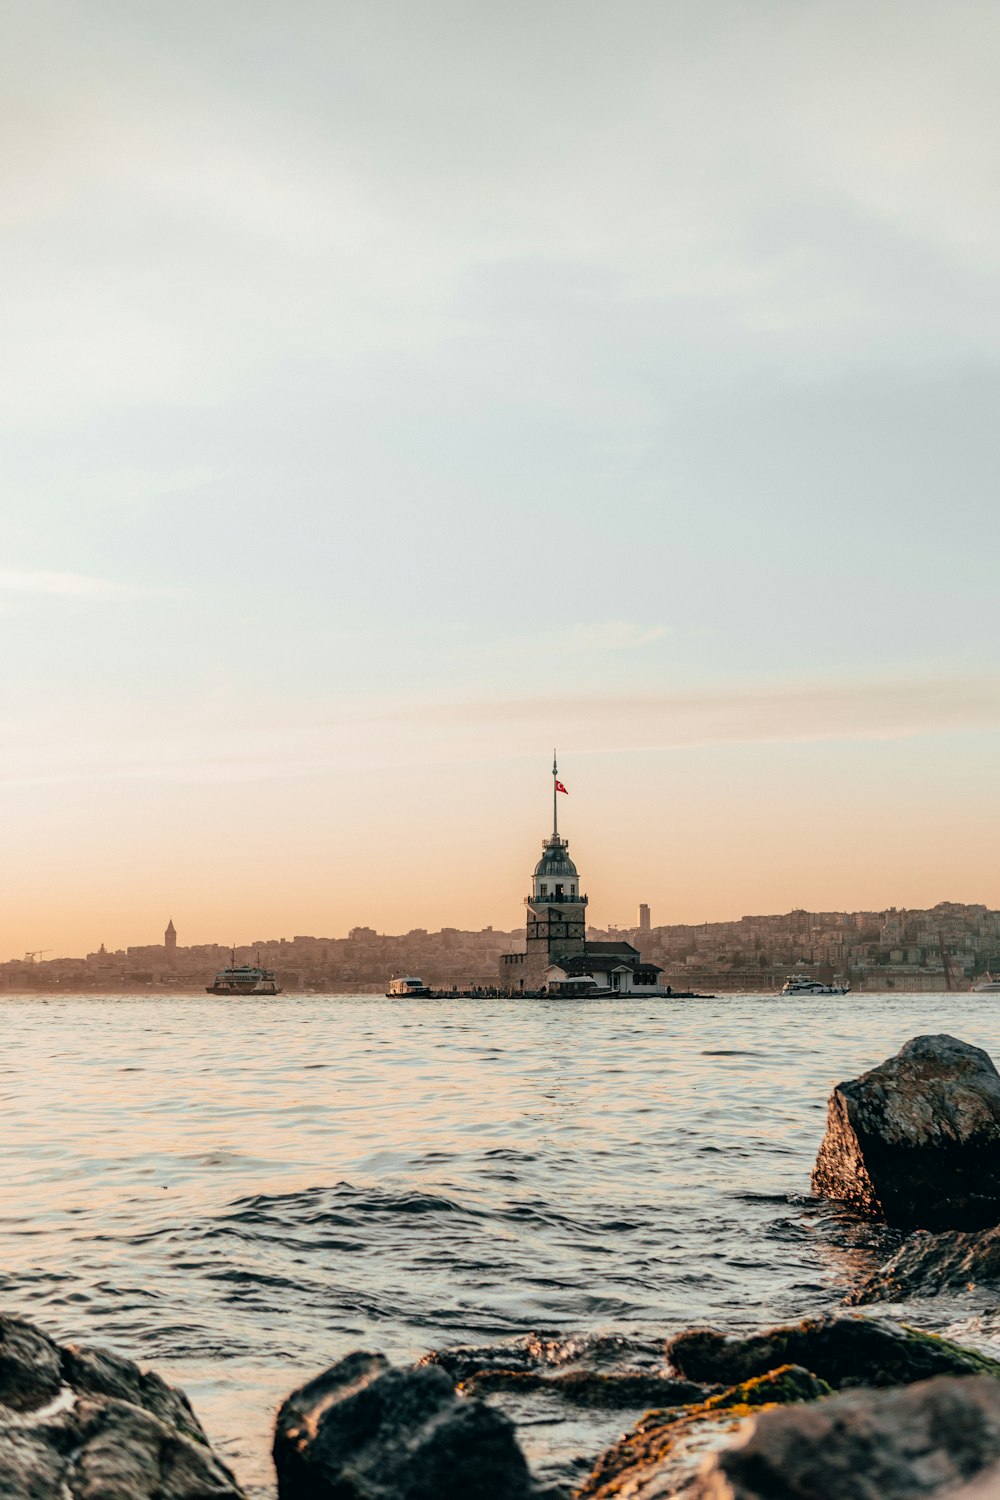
[[616, 635], [761, 712], [41, 583], [349, 734]]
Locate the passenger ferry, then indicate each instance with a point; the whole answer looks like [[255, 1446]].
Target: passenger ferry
[[986, 984], [406, 984], [243, 979], [801, 984]]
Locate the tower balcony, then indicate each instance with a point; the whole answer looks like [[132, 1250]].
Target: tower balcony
[[580, 900]]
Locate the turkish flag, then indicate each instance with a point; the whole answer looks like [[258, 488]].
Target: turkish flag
[[561, 788]]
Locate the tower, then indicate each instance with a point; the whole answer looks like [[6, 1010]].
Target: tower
[[170, 941], [557, 959], [556, 908]]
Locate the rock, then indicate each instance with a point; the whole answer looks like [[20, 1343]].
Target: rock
[[592, 1387], [863, 1445], [840, 1350], [126, 1451], [926, 1264], [80, 1424], [95, 1372], [366, 1431], [916, 1141], [568, 1395], [549, 1351], [661, 1454], [30, 1365]]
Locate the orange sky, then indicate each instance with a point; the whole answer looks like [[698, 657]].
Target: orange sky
[[388, 397], [705, 832]]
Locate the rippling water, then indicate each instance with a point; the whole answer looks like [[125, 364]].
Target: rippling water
[[239, 1192]]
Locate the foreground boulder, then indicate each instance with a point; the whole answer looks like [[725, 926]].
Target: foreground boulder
[[916, 1141], [366, 1431], [82, 1424], [866, 1445], [930, 1263], [842, 1351]]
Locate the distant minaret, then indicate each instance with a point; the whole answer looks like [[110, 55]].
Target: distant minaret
[[170, 941]]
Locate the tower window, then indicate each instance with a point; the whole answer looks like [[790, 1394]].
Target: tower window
[[545, 889], [559, 891]]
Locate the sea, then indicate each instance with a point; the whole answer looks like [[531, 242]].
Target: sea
[[237, 1193]]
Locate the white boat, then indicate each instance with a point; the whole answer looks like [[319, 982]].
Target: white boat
[[406, 984], [986, 985], [243, 979], [801, 984]]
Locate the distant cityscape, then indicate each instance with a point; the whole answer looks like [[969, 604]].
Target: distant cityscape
[[943, 948]]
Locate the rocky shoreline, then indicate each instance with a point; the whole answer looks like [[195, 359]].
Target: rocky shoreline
[[840, 1406]]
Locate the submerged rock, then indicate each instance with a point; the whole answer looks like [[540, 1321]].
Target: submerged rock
[[595, 1388], [82, 1424], [930, 1263], [916, 1141], [843, 1351], [660, 1456], [366, 1431], [550, 1351], [865, 1445]]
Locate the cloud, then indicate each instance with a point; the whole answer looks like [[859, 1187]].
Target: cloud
[[347, 735], [616, 635], [40, 583], [761, 712]]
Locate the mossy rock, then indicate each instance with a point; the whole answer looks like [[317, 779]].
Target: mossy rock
[[664, 1448], [843, 1351], [780, 1387]]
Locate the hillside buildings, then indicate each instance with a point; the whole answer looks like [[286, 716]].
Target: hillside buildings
[[937, 949]]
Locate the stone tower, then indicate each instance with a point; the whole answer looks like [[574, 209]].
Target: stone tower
[[557, 910], [170, 941]]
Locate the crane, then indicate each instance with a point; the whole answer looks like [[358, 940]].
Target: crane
[[949, 979], [35, 953]]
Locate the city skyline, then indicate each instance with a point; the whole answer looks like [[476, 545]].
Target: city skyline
[[950, 947], [391, 394]]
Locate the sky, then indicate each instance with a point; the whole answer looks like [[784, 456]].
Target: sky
[[393, 392]]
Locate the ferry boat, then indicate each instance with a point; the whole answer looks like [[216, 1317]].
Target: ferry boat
[[406, 984], [801, 984], [986, 985], [243, 979]]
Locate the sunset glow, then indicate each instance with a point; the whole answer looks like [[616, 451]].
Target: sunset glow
[[392, 393]]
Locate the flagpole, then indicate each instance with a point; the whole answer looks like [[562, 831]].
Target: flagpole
[[555, 800]]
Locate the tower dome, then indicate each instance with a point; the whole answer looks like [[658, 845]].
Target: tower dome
[[555, 861]]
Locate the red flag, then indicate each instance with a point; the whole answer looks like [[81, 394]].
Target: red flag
[[561, 788]]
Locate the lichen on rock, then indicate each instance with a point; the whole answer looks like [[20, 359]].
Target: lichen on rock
[[661, 1453]]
